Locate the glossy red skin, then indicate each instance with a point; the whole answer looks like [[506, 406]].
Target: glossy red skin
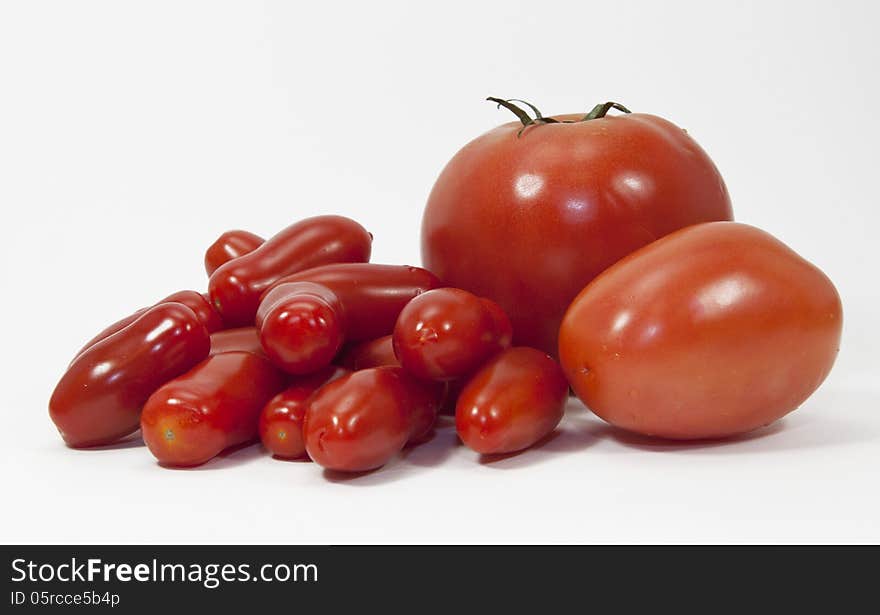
[[197, 302], [301, 325], [372, 295], [503, 338], [231, 340], [235, 287], [200, 304], [425, 398], [214, 406], [372, 353], [513, 401], [228, 246], [281, 420], [99, 398], [445, 334], [529, 221], [360, 421], [713, 331], [503, 326]]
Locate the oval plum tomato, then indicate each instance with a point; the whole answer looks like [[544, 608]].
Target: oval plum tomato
[[197, 302], [281, 420], [513, 401], [528, 219], [301, 325], [715, 330], [99, 398], [213, 406], [360, 421], [228, 246], [235, 287], [447, 333]]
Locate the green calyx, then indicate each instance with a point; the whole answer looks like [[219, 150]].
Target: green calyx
[[599, 111]]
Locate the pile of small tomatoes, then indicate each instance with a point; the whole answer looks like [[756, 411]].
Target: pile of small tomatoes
[[591, 252]]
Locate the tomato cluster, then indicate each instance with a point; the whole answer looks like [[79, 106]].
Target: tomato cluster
[[302, 343], [605, 241]]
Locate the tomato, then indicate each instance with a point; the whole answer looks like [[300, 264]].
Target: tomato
[[372, 295], [232, 340], [99, 398], [235, 287], [513, 401], [197, 302], [360, 421], [213, 406], [712, 331], [446, 333], [301, 326], [228, 246], [281, 420], [372, 353], [529, 219]]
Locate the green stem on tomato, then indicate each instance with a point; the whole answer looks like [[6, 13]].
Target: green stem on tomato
[[598, 112]]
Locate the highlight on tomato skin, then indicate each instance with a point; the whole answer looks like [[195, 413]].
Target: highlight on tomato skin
[[235, 287], [446, 333], [99, 398], [228, 246], [713, 331], [517, 398], [281, 420], [214, 406]]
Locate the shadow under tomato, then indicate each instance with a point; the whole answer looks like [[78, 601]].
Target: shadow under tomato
[[439, 446], [433, 452], [578, 431], [391, 472], [131, 441], [653, 443], [830, 418], [303, 459], [229, 458], [490, 459]]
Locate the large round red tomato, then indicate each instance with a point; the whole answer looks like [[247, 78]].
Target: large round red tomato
[[712, 331], [528, 215]]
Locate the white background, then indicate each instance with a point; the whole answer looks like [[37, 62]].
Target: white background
[[132, 134]]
